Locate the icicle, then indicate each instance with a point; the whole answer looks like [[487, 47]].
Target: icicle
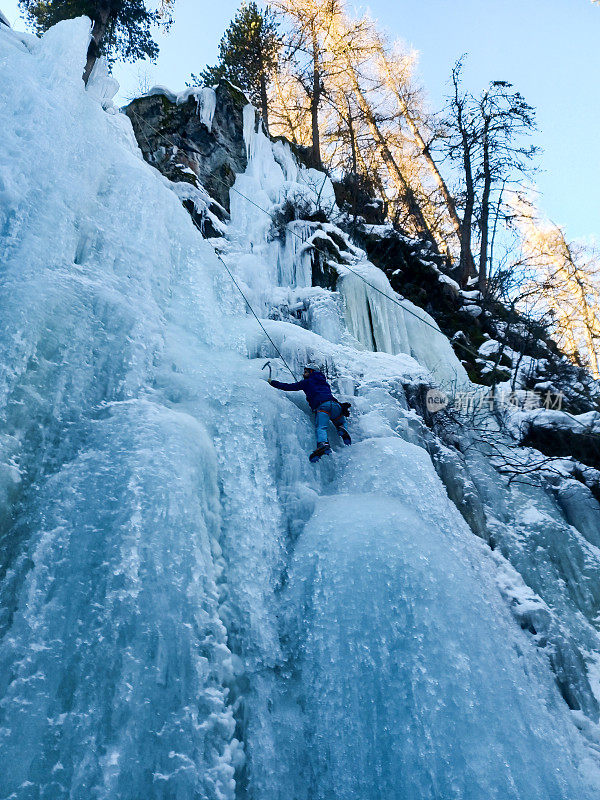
[[207, 103], [371, 318]]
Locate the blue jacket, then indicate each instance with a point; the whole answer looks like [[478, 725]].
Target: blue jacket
[[315, 387]]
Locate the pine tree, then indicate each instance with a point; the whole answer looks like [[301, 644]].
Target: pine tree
[[248, 55], [121, 28]]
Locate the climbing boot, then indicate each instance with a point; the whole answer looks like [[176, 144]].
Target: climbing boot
[[322, 450], [345, 436]]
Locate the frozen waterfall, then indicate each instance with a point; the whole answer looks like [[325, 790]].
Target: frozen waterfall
[[188, 608]]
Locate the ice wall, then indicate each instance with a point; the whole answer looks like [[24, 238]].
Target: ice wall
[[114, 659], [271, 179], [189, 609]]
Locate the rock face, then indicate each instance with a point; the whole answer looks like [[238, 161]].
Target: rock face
[[184, 143]]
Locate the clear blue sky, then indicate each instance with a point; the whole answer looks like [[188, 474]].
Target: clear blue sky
[[550, 50]]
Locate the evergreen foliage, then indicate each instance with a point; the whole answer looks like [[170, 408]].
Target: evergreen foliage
[[121, 28], [248, 54]]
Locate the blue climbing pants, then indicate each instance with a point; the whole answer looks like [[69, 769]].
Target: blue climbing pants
[[329, 410]]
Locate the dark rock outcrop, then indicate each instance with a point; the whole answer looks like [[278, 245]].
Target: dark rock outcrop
[[580, 442], [173, 138]]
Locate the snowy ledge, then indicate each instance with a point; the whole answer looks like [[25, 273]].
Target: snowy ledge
[[205, 97]]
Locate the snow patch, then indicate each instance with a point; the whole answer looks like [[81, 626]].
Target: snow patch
[[206, 100]]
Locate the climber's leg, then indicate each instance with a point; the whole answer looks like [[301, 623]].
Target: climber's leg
[[338, 418], [322, 417]]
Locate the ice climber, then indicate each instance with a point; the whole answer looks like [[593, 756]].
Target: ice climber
[[323, 403]]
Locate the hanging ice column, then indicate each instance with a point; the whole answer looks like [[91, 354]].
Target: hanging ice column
[[373, 319], [397, 327], [272, 179]]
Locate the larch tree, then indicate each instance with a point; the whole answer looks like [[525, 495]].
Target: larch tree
[[121, 29], [248, 55], [391, 63], [565, 277], [307, 56], [313, 60], [359, 80], [289, 111]]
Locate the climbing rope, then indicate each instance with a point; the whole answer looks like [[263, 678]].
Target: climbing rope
[[253, 312], [235, 283], [323, 252], [394, 300]]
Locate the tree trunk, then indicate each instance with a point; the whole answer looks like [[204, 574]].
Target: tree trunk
[[591, 346], [466, 256], [448, 199], [315, 101], [484, 219], [352, 137], [264, 101], [496, 217], [354, 165], [94, 49], [414, 209]]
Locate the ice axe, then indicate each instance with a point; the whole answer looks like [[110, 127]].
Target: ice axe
[[268, 364]]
